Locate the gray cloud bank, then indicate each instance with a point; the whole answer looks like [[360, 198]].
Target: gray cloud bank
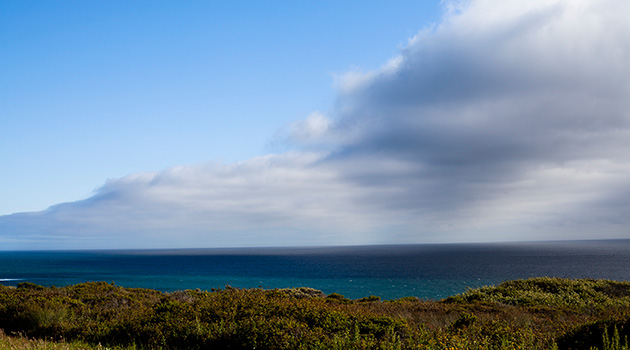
[[508, 120]]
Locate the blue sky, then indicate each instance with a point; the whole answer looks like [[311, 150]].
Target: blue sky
[[153, 125], [101, 89]]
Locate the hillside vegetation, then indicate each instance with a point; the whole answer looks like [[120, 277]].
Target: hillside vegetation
[[539, 313]]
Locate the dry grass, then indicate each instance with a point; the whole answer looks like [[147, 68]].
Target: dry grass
[[19, 342]]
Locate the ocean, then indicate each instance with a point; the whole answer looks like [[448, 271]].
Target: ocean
[[427, 271]]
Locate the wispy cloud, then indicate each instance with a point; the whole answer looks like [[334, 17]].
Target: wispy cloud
[[507, 120]]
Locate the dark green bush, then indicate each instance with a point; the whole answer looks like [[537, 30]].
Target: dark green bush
[[371, 298], [594, 334], [464, 320], [29, 285]]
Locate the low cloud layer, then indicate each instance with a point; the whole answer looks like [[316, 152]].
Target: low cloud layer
[[506, 121]]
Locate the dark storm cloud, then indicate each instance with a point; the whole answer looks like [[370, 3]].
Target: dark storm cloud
[[491, 98]]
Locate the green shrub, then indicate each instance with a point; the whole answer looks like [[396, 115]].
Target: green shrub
[[371, 298], [523, 314], [603, 334], [29, 285], [464, 320]]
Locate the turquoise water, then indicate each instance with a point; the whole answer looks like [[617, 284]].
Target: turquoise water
[[424, 271]]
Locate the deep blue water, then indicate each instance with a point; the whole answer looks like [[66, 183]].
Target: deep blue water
[[425, 271]]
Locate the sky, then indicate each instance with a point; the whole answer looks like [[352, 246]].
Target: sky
[[206, 124]]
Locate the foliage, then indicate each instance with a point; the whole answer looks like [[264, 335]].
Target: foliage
[[539, 313], [585, 295]]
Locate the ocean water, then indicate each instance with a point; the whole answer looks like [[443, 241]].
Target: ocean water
[[391, 271]]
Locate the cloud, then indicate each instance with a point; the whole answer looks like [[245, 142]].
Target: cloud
[[506, 110], [287, 199], [506, 121], [310, 130]]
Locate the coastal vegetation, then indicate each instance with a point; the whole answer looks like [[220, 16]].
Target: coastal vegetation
[[538, 313]]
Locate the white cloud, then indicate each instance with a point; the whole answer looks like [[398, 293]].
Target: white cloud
[[287, 199], [312, 129], [508, 120]]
